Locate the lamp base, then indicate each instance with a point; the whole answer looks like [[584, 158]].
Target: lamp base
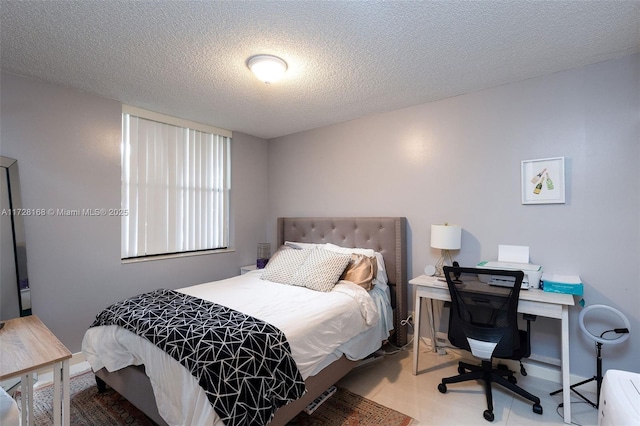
[[444, 258]]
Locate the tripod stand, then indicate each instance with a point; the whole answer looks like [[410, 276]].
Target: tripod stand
[[623, 334], [597, 378]]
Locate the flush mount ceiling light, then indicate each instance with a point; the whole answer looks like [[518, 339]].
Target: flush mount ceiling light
[[267, 68]]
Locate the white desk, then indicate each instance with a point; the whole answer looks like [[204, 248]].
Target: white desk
[[533, 301]]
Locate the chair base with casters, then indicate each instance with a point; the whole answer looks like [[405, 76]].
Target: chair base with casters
[[489, 375]]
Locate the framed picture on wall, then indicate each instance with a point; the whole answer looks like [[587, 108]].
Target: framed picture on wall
[[542, 181]]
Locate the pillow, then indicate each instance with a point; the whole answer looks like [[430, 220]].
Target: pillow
[[382, 270], [381, 277], [349, 250], [284, 265], [321, 270], [361, 270], [297, 245]]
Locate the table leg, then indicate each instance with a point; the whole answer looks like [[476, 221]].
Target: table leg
[[27, 399], [566, 372], [66, 394], [432, 326], [416, 333], [57, 377], [61, 397]]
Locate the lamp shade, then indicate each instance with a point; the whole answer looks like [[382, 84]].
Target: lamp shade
[[446, 237]]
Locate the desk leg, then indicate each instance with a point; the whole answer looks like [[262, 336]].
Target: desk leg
[[416, 333], [566, 372], [432, 326]]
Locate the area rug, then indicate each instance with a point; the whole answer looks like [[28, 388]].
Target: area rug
[[90, 408], [345, 408]]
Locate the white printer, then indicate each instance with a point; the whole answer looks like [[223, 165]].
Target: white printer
[[619, 403], [532, 274], [512, 258]]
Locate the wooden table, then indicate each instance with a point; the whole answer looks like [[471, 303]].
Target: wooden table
[[26, 345], [533, 301]]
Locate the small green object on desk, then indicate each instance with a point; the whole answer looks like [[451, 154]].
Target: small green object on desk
[[567, 284]]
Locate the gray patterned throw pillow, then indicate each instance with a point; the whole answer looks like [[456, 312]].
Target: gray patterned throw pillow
[[321, 270]]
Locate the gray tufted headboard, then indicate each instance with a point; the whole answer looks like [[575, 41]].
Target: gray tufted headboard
[[387, 235]]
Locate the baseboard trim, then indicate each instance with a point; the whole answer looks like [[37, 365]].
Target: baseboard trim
[[77, 364]]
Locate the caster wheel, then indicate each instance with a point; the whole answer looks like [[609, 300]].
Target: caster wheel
[[488, 415], [442, 388], [537, 408], [512, 379], [461, 370]]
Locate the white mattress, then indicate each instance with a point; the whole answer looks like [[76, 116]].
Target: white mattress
[[320, 327]]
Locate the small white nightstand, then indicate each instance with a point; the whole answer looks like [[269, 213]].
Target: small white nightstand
[[28, 345], [245, 269]]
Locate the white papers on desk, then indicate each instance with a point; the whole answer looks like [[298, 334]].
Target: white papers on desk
[[515, 254]]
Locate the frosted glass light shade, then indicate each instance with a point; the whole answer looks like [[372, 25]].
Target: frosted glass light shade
[[267, 68], [446, 237]]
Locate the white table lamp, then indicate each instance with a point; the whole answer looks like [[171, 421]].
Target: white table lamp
[[445, 237]]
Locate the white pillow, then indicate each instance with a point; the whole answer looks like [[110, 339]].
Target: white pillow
[[382, 270], [284, 265], [299, 245], [349, 250], [381, 279], [321, 270]]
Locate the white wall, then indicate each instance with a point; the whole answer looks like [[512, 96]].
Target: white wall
[[458, 160], [67, 145]]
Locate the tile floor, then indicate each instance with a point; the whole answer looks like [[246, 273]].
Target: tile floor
[[390, 382]]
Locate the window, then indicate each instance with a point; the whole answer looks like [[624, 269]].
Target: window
[[175, 185]]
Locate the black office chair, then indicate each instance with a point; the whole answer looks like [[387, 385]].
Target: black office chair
[[484, 321]]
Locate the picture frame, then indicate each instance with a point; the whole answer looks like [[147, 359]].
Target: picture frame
[[543, 181]]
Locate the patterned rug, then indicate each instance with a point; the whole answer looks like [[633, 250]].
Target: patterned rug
[[90, 408]]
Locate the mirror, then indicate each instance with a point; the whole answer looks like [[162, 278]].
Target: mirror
[[15, 294]]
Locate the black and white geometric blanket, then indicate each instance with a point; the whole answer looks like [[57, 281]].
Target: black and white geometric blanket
[[243, 364]]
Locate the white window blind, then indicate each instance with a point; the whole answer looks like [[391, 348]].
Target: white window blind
[[175, 185]]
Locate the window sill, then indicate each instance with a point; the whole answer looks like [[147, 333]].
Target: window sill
[[174, 256]]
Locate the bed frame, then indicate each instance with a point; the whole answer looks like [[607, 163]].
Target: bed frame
[[386, 235]]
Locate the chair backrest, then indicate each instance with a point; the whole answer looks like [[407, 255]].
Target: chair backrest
[[484, 318]]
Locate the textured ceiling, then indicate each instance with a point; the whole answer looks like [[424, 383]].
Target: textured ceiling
[[346, 59]]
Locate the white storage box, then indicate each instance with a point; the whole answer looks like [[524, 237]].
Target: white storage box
[[619, 403]]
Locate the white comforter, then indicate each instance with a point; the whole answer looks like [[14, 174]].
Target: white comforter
[[317, 325]]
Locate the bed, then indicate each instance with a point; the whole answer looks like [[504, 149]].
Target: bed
[[386, 236]]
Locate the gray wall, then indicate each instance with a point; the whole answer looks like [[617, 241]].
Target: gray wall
[[455, 160], [458, 160], [67, 145]]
